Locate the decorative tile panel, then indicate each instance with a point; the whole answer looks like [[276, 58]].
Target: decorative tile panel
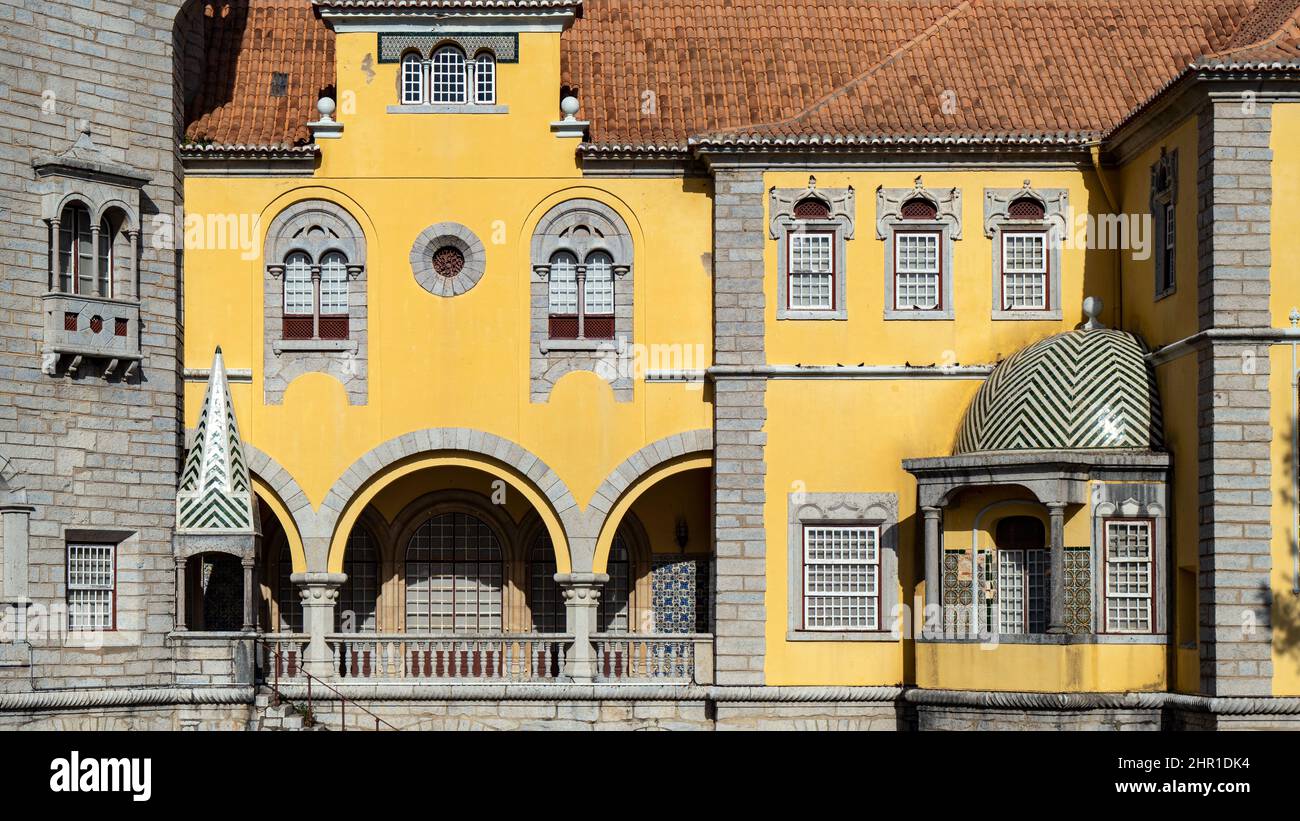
[[679, 590], [1078, 590], [504, 46]]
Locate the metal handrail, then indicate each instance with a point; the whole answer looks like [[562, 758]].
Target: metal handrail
[[343, 700]]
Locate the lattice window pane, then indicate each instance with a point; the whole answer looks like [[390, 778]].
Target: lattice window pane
[[448, 75], [454, 576], [1128, 577], [297, 285], [359, 595], [92, 579], [334, 284], [916, 262], [812, 271], [485, 79], [598, 290], [563, 281], [545, 602], [841, 584], [612, 616], [412, 80]]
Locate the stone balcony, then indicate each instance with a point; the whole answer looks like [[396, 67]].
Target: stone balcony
[[80, 330]]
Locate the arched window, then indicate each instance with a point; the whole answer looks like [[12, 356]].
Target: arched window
[[288, 602], [360, 593], [334, 296], [1025, 208], [598, 296], [485, 78], [412, 79], [563, 295], [454, 573], [919, 209], [811, 209], [613, 610], [299, 299], [76, 251], [545, 602], [448, 75]]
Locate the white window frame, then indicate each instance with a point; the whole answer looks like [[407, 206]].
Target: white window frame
[[414, 84], [869, 566], [484, 65], [293, 309], [900, 232], [1043, 271], [334, 284], [1150, 570], [82, 583], [457, 83], [1017, 572], [793, 238]]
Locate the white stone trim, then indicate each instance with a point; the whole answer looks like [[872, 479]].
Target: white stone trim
[[1056, 209], [947, 203], [457, 236]]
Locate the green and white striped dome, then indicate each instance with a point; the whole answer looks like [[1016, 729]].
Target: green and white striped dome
[[1080, 390]]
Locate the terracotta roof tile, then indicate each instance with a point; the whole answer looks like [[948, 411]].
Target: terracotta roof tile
[[661, 72], [247, 43]]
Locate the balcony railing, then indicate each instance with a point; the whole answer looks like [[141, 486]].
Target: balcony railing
[[523, 657], [666, 658]]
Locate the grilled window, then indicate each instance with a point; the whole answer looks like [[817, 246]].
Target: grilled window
[[92, 585], [841, 578]]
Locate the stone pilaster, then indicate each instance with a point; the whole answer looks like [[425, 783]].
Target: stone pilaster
[[1234, 196], [739, 474]]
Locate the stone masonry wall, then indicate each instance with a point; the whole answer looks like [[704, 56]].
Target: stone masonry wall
[[1234, 195], [739, 415], [92, 454]]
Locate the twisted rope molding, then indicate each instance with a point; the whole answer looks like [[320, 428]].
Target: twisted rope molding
[[218, 695], [124, 697]]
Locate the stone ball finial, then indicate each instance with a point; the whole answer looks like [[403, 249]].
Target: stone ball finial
[[1092, 309], [569, 107], [325, 106]]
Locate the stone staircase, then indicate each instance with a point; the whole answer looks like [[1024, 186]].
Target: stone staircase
[[284, 716]]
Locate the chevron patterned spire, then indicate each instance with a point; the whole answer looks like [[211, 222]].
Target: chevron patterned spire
[[215, 495], [1079, 390]]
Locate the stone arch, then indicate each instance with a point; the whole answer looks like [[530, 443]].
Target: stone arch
[[436, 447], [281, 492], [674, 454]]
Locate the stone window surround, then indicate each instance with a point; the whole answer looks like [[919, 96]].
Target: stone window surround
[[947, 203], [1143, 502], [840, 202], [842, 508], [130, 611], [551, 359], [457, 236], [1168, 163], [1056, 204], [344, 359]]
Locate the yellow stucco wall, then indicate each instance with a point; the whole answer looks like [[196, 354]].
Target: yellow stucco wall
[[463, 361]]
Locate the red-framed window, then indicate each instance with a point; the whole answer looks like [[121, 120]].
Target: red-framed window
[[810, 270], [918, 269], [91, 586], [1128, 576], [841, 577], [1025, 276]]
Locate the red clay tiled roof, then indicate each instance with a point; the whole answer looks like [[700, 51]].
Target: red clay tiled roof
[[662, 72], [247, 43]]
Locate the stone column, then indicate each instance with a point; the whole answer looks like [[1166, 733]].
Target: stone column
[[249, 616], [319, 593], [180, 624], [581, 600], [933, 566], [15, 527], [1056, 595]]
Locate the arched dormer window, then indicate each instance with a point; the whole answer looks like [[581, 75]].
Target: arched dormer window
[[485, 78], [412, 79], [448, 75], [1026, 208]]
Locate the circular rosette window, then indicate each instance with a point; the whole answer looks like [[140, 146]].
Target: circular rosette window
[[447, 259]]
